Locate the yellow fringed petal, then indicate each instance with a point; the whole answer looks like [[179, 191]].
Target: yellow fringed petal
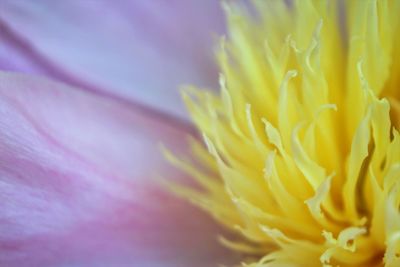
[[307, 89]]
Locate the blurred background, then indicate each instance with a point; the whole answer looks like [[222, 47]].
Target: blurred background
[[100, 95]]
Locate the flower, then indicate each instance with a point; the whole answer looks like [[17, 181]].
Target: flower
[[77, 155], [303, 159]]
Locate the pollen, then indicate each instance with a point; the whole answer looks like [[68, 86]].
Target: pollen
[[301, 152]]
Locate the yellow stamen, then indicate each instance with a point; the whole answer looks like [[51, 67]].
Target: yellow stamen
[[303, 155]]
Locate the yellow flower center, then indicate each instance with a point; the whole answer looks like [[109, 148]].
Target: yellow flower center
[[303, 148]]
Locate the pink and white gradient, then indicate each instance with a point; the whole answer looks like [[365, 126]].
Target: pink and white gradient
[[135, 49], [88, 90]]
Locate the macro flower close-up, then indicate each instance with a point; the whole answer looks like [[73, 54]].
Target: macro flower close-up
[[288, 152]]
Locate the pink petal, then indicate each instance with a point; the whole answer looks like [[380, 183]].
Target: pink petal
[[76, 187], [139, 50]]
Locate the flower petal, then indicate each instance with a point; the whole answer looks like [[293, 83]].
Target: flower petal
[[76, 187], [138, 50]]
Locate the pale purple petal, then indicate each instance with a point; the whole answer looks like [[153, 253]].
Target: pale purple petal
[[139, 50], [76, 185]]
